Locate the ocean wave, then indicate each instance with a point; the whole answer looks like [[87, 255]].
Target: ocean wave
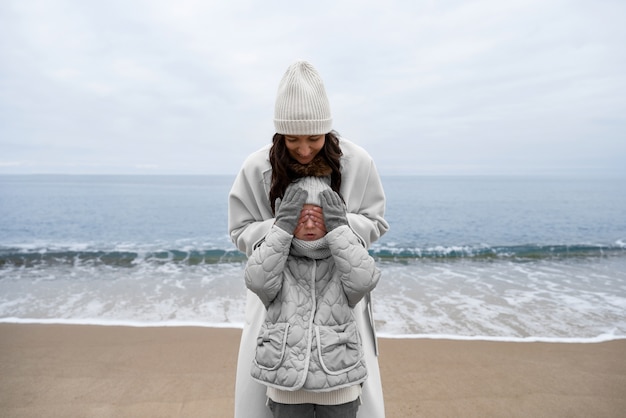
[[510, 252], [30, 256], [116, 258]]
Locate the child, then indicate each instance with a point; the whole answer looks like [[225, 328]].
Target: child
[[309, 275]]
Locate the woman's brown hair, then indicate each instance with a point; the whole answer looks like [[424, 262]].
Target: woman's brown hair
[[285, 169]]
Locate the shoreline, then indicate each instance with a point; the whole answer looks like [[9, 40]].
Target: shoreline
[[602, 338], [188, 371]]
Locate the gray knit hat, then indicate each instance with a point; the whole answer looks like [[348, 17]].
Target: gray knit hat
[[302, 107], [314, 186]]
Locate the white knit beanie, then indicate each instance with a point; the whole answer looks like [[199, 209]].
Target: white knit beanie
[[314, 186], [302, 107]]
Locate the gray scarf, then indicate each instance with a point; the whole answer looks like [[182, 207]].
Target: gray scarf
[[316, 250]]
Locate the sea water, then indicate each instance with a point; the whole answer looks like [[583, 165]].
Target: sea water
[[504, 258]]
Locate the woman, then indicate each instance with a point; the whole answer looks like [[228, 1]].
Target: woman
[[304, 142]]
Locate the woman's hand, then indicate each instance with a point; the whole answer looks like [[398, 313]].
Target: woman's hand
[[288, 212], [334, 209], [313, 213]]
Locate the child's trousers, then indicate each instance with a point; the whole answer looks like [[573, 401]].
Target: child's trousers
[[309, 410]]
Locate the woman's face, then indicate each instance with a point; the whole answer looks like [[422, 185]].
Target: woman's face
[[303, 148]]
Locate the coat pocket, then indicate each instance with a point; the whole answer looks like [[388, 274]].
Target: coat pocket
[[271, 345], [339, 347]]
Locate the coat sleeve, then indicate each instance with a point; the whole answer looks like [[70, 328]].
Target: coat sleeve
[[358, 272], [266, 265], [249, 214], [363, 192]]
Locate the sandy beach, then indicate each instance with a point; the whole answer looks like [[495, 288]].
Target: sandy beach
[[101, 371]]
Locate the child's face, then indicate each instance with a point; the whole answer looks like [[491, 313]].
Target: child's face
[[311, 224]]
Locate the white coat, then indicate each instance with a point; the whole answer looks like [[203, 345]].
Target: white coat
[[250, 218]]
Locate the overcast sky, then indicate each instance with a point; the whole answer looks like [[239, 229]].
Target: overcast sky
[[427, 87]]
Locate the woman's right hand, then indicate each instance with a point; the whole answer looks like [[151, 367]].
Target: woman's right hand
[[288, 212]]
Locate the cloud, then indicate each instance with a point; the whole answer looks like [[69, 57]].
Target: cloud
[[427, 87], [11, 163]]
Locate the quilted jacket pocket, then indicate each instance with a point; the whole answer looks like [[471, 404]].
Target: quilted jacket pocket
[[271, 345], [339, 347]]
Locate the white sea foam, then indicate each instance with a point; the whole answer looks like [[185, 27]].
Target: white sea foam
[[547, 300], [596, 339], [120, 323]]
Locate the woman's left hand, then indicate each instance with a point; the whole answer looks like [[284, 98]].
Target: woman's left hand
[[334, 209]]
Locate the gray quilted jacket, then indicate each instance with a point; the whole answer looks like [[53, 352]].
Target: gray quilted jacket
[[309, 339]]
